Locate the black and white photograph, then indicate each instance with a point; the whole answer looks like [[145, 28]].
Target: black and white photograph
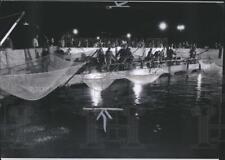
[[112, 79]]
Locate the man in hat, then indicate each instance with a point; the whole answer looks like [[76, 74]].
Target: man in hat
[[100, 58], [129, 57], [109, 58]]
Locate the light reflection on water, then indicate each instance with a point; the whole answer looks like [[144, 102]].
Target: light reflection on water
[[199, 86], [96, 96], [137, 89]]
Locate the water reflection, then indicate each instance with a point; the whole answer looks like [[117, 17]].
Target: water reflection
[[199, 86], [96, 97], [137, 89], [162, 126]]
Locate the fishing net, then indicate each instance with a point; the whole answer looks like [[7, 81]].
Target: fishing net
[[32, 78], [98, 81], [145, 76], [37, 78], [211, 68]]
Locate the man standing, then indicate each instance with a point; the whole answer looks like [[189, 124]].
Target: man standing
[[7, 45], [45, 60], [120, 56], [36, 45], [220, 50], [193, 52], [149, 58], [52, 42], [109, 58], [62, 43], [129, 58], [100, 58], [170, 53]]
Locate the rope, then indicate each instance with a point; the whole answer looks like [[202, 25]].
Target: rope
[[11, 15], [202, 52], [135, 50]]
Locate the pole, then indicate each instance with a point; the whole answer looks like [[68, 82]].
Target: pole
[[76, 72], [11, 29]]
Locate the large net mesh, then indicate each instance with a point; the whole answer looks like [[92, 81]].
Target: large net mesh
[[37, 78]]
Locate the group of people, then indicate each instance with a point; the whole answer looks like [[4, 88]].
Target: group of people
[[157, 57], [73, 41], [121, 60], [164, 54], [124, 58]]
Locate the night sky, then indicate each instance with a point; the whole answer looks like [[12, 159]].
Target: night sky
[[204, 22]]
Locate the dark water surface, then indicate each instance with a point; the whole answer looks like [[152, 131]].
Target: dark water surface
[[176, 117]]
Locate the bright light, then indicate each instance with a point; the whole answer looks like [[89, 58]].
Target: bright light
[[139, 72], [75, 31], [94, 76], [128, 35], [144, 76], [180, 27], [97, 37], [162, 26]]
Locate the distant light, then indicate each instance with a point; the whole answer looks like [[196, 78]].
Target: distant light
[[180, 27], [75, 31], [97, 37], [128, 35], [162, 26]]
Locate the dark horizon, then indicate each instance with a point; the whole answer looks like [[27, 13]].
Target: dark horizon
[[204, 22]]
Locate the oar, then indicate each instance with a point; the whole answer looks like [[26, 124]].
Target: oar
[[202, 52]]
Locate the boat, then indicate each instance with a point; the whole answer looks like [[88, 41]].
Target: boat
[[33, 84], [34, 78]]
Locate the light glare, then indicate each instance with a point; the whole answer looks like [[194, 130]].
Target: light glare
[[162, 26], [180, 27], [128, 35], [75, 31]]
